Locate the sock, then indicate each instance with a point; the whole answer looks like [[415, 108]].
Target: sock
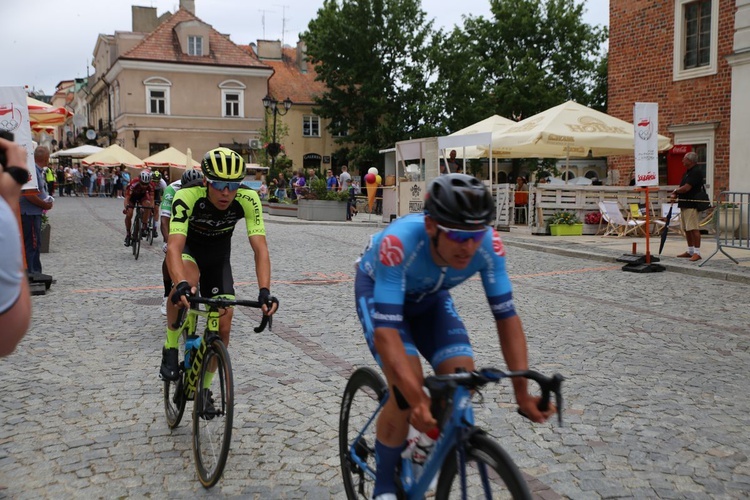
[[173, 339], [387, 459], [691, 250], [207, 379], [697, 251]]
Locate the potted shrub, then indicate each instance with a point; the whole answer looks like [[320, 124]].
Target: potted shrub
[[282, 208], [318, 203], [565, 224], [592, 222]]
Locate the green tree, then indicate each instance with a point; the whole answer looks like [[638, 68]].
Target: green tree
[[374, 57], [283, 162], [531, 55]]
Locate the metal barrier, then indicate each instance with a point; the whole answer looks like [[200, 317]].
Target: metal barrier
[[732, 222]]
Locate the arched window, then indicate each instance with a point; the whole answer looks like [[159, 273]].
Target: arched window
[[232, 99], [157, 95]]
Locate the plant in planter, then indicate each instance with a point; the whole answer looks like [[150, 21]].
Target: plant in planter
[[565, 224], [593, 218], [318, 203]]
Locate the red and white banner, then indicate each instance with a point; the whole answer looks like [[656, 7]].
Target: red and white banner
[[646, 125], [14, 118]]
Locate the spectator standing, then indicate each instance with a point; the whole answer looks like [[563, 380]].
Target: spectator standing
[[521, 199], [49, 177], [281, 187], [331, 183], [293, 185], [60, 180], [345, 179], [15, 299], [311, 176], [453, 166], [263, 191], [32, 207], [690, 186], [299, 186]]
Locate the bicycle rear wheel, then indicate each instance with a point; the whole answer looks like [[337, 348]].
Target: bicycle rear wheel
[[136, 238], [213, 411], [362, 396], [490, 473]]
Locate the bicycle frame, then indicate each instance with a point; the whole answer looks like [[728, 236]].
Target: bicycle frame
[[457, 427], [189, 326]]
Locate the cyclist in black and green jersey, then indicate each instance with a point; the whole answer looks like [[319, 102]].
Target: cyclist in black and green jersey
[[200, 242]]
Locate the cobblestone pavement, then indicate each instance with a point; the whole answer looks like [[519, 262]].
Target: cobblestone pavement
[[656, 390]]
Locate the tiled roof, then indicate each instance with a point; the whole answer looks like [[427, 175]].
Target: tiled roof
[[162, 45], [289, 81]]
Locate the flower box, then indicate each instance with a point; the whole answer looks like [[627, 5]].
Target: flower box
[[282, 209], [566, 229]]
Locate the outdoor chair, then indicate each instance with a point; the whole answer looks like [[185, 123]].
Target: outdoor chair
[[674, 221], [617, 225]]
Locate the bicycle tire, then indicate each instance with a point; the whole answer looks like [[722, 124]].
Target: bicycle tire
[[363, 393], [212, 432], [505, 479], [174, 393], [136, 237], [150, 236]]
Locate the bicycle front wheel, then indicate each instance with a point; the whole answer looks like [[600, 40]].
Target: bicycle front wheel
[[490, 473], [136, 237], [362, 396], [213, 411], [150, 228]]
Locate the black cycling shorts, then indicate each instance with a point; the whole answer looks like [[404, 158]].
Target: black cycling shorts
[[215, 271]]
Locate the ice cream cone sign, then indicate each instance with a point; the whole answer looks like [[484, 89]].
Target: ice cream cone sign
[[372, 189]]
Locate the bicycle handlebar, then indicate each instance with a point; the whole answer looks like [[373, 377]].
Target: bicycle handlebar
[[439, 384], [223, 303]]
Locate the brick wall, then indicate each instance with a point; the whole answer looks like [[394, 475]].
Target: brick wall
[[640, 70]]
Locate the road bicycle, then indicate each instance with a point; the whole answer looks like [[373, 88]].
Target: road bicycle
[[136, 229], [205, 364], [469, 462], [150, 228]]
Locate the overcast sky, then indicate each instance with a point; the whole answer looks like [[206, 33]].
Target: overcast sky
[[43, 41]]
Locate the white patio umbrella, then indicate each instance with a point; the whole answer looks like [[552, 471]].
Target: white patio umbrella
[[492, 124], [569, 130]]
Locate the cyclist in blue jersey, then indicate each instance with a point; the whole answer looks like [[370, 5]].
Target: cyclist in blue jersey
[[403, 302]]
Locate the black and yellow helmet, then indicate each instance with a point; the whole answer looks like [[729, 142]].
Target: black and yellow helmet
[[223, 164]]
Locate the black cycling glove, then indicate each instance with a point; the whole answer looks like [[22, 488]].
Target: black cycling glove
[[264, 295], [182, 289]]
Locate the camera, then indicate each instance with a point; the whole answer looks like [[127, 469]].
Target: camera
[[8, 136]]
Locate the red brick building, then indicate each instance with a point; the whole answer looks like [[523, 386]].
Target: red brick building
[[681, 54]]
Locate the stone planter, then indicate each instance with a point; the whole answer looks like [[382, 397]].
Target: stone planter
[[264, 206], [321, 210], [590, 228], [46, 235], [282, 209], [729, 222], [566, 229]]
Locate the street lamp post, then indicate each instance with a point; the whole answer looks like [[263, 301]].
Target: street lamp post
[[272, 106]]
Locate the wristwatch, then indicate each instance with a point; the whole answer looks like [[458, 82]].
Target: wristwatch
[[20, 175]]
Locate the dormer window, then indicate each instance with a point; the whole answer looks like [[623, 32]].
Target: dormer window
[[195, 45]]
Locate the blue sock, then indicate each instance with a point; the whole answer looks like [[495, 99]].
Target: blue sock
[[386, 459]]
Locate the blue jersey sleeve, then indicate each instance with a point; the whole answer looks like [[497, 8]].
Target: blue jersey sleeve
[[495, 278]]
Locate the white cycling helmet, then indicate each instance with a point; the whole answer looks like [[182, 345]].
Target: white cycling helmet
[[146, 176]]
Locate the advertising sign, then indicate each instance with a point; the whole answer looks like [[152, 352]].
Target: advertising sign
[[14, 118], [646, 125]]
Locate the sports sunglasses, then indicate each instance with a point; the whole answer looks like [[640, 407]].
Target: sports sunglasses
[[221, 185], [463, 235]]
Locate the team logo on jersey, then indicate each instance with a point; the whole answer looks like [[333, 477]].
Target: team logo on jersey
[[391, 251], [497, 243]]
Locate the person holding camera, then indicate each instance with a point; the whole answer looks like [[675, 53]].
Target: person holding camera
[[15, 298], [32, 208]]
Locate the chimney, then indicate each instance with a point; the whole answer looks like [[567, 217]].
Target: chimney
[[144, 19], [188, 5], [302, 56]]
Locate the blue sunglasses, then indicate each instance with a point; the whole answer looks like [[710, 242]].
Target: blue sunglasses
[[222, 185], [463, 235]]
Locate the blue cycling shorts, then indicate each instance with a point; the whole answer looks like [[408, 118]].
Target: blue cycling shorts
[[431, 327]]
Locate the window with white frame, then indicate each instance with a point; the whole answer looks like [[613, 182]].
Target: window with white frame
[[696, 27], [157, 96], [195, 45], [232, 99], [310, 126]]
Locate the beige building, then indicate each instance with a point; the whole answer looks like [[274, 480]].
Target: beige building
[[175, 81], [309, 143]]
